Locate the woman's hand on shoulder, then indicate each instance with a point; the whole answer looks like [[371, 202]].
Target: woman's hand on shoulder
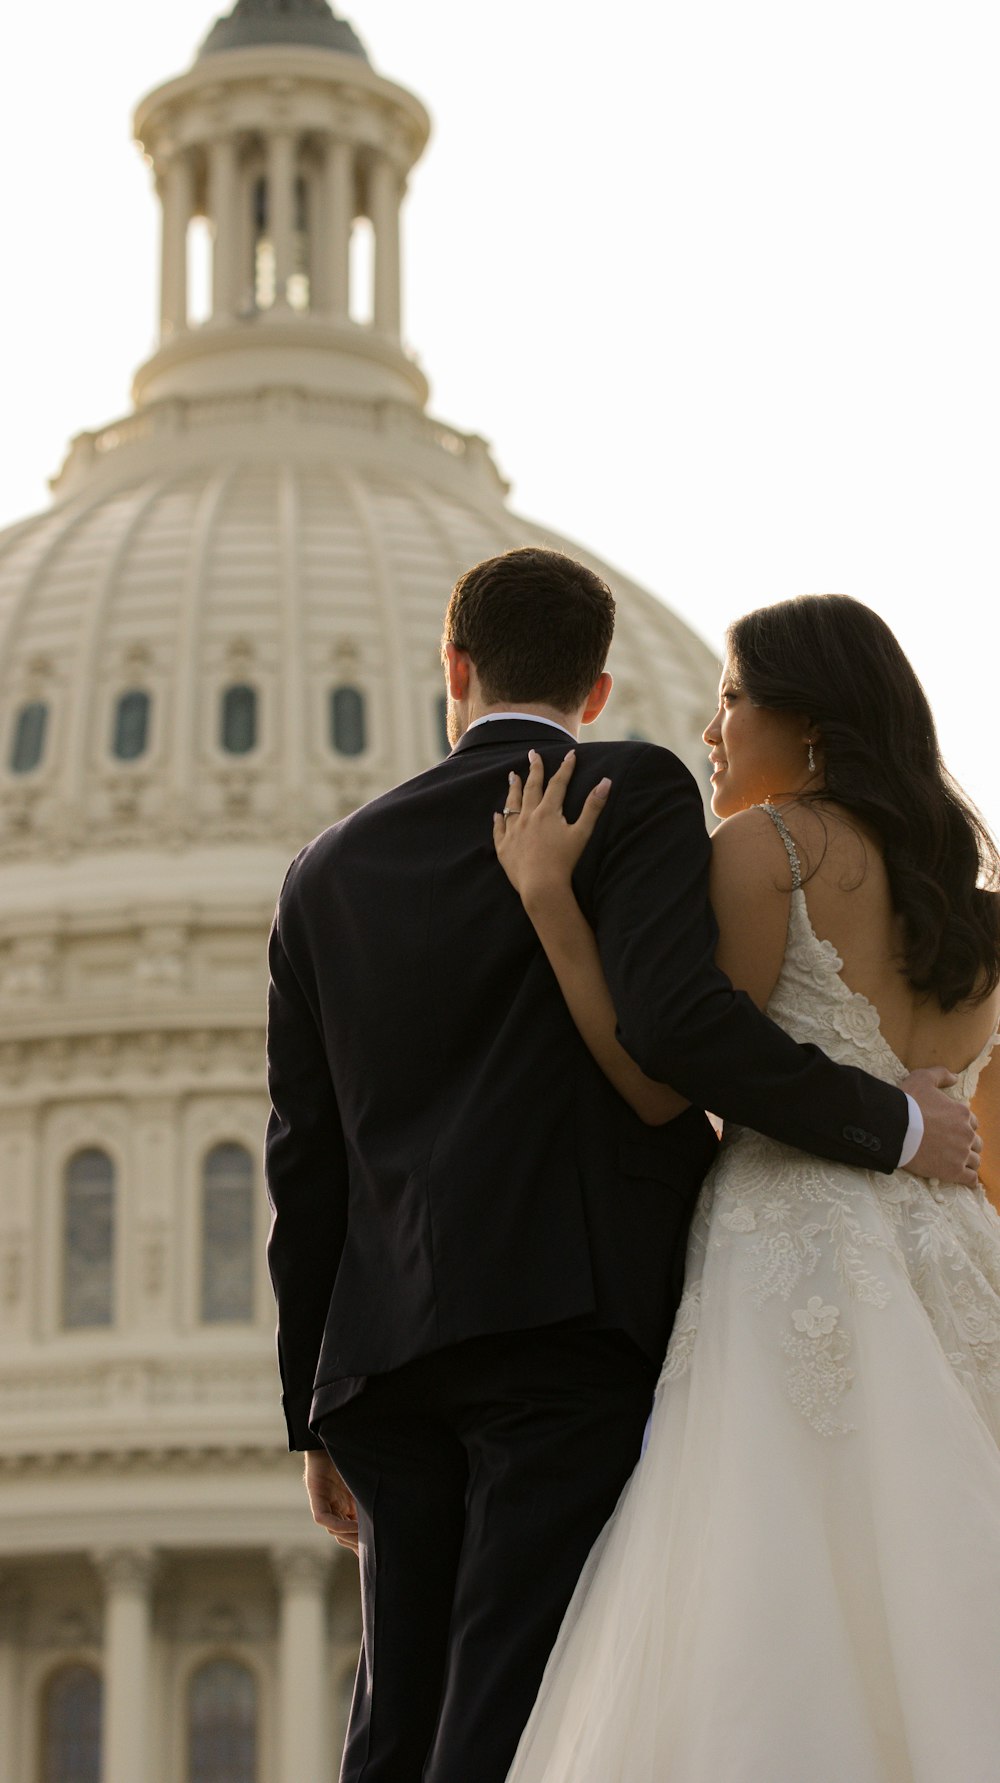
[[536, 846]]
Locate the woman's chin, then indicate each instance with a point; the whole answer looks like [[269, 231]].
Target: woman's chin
[[722, 800]]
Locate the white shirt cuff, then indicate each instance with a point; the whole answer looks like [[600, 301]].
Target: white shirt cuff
[[914, 1134]]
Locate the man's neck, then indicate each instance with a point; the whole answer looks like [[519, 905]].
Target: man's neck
[[567, 721]]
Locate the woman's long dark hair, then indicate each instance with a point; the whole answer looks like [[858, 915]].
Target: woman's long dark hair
[[833, 659]]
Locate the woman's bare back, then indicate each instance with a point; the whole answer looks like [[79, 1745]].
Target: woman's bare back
[[847, 894]]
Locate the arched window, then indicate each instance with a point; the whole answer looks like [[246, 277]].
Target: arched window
[[227, 1235], [29, 737], [222, 1724], [348, 728], [441, 709], [238, 730], [71, 1726], [131, 732], [88, 1240]]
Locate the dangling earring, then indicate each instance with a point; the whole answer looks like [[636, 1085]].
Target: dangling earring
[[812, 758]]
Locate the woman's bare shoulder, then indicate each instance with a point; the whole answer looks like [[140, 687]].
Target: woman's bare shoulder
[[748, 849]]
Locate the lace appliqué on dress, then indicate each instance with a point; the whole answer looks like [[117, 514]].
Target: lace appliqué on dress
[[818, 1375]]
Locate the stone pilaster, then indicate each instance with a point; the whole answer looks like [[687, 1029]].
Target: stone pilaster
[[11, 1720], [178, 206], [303, 1665], [223, 207], [128, 1623], [338, 216]]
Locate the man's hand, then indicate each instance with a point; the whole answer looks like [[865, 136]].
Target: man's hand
[[331, 1503], [950, 1147]]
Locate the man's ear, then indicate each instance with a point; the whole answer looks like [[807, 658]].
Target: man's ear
[[457, 665], [597, 698]]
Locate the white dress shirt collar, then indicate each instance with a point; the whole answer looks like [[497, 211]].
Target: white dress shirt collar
[[529, 718]]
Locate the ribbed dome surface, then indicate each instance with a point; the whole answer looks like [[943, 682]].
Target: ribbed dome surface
[[287, 576]]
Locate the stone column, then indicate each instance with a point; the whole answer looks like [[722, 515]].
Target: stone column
[[385, 196], [303, 1665], [338, 215], [281, 210], [11, 1626], [128, 1625], [223, 208], [178, 205]]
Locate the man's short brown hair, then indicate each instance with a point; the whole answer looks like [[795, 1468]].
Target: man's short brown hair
[[536, 624]]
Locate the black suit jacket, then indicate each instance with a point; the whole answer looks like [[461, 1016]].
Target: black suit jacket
[[443, 1157]]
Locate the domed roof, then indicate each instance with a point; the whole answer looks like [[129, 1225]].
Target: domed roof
[[310, 22], [292, 569]]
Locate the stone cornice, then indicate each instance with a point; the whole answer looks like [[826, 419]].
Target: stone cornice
[[157, 1459]]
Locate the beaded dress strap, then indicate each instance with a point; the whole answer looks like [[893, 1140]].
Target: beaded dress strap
[[785, 834]]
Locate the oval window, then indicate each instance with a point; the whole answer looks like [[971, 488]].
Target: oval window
[[239, 719], [131, 725], [348, 730], [29, 737]]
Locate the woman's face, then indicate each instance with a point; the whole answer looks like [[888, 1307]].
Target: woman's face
[[756, 754]]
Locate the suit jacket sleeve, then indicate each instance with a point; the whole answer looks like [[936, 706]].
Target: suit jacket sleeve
[[678, 1014], [305, 1166]]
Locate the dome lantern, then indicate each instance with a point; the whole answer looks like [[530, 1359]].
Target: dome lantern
[[282, 137], [282, 21]]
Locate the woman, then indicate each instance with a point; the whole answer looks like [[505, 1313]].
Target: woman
[[802, 1579]]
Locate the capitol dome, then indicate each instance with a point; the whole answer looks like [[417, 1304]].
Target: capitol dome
[[222, 636]]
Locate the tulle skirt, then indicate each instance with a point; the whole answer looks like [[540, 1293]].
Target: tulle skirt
[[801, 1582]]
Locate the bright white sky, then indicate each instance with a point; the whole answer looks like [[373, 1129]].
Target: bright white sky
[[719, 282]]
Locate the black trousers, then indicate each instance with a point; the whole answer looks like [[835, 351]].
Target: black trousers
[[483, 1474]]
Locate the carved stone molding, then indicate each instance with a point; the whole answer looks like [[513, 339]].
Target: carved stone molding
[[157, 1459], [302, 1568], [183, 1055], [129, 1570]]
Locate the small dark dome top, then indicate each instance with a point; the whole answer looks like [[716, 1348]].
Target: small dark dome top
[[253, 22]]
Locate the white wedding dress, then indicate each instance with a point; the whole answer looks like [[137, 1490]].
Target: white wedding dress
[[801, 1582]]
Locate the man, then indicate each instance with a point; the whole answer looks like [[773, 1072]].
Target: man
[[477, 1248]]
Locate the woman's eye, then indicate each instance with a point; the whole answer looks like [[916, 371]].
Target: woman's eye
[[728, 697]]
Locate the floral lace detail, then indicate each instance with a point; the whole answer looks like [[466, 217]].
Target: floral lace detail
[[856, 1021], [818, 1375], [819, 1244]]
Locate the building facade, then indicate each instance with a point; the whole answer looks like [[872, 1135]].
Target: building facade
[[222, 636]]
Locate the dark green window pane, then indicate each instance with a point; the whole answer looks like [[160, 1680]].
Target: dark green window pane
[[89, 1240], [71, 1727], [227, 1236], [222, 1724], [348, 731], [29, 737], [131, 725], [239, 719]]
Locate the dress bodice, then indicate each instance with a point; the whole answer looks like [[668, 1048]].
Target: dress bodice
[[812, 1002]]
